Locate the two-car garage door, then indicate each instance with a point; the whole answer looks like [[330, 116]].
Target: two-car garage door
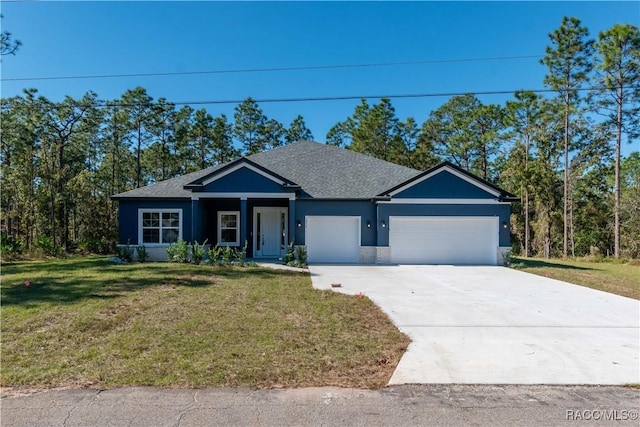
[[443, 240]]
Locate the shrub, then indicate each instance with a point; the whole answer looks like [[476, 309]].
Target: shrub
[[9, 246], [47, 247], [239, 255], [141, 253], [125, 253], [178, 252], [214, 255], [227, 255], [198, 252], [507, 257], [298, 258], [290, 255], [302, 255]]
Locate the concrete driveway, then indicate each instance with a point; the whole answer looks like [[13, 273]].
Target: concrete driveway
[[494, 325]]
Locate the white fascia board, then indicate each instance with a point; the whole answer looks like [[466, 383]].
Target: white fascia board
[[401, 201], [453, 172], [240, 166], [242, 196]]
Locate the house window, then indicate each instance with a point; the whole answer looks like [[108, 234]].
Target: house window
[[160, 226], [229, 228]]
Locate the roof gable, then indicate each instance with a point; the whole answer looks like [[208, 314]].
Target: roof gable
[[447, 181], [240, 179]]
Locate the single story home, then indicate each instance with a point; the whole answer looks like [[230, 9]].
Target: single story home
[[343, 206]]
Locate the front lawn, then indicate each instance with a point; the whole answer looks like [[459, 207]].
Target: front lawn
[[85, 322], [615, 277]]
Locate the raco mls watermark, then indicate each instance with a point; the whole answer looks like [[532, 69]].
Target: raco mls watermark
[[601, 414]]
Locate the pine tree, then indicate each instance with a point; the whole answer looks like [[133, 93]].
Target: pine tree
[[618, 80], [569, 62]]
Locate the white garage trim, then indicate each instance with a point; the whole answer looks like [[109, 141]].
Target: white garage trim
[[408, 201], [333, 238], [444, 239]]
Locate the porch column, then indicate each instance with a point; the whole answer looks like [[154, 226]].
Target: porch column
[[195, 222], [292, 222], [244, 221]]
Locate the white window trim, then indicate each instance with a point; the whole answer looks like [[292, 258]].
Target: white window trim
[[237, 242], [160, 211]]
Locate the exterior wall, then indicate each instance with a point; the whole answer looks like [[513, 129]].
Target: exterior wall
[[367, 255], [209, 209], [366, 210], [243, 180], [444, 185], [374, 240], [128, 217], [502, 211]]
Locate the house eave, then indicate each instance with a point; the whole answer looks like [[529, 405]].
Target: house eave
[[120, 198]]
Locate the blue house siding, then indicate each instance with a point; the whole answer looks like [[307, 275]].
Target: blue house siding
[[385, 210], [128, 217], [243, 180], [444, 185], [366, 210], [209, 209]]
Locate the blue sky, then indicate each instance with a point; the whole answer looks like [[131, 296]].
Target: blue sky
[[98, 38]]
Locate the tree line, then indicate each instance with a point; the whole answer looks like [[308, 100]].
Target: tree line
[[61, 161]]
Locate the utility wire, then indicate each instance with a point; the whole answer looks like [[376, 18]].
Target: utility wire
[[263, 70], [106, 103], [352, 97]]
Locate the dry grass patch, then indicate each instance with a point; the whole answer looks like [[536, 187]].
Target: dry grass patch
[[86, 322], [622, 278]]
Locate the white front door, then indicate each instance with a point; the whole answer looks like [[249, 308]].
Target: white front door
[[269, 231]]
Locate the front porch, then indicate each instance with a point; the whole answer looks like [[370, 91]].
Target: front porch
[[265, 225]]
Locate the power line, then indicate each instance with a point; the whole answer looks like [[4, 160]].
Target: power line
[[275, 69], [352, 97], [104, 103]]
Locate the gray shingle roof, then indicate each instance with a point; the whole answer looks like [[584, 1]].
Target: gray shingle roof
[[323, 171], [326, 171], [170, 188]]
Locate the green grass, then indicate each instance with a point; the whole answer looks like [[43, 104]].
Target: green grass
[[85, 322], [622, 278]]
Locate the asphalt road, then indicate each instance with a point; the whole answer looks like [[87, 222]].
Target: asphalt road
[[407, 405]]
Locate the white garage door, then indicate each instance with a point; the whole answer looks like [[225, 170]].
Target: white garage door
[[443, 240], [332, 238]]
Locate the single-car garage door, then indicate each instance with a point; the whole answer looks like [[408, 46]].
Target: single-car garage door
[[332, 238], [443, 240]]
